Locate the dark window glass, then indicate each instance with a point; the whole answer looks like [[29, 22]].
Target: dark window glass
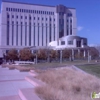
[[25, 17], [12, 16], [20, 10], [30, 18], [35, 11], [16, 16], [21, 17], [6, 9], [46, 19], [21, 32], [8, 26], [62, 42], [54, 19], [25, 33], [70, 42], [7, 15], [50, 19], [67, 20], [34, 18], [38, 18], [11, 9], [12, 32], [70, 20], [70, 31], [42, 18]]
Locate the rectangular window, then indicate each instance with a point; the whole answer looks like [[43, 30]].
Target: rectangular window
[[21, 32], [12, 16], [21, 17], [38, 34], [50, 33], [6, 9], [70, 42], [38, 18], [25, 17], [46, 19], [8, 26], [62, 42], [34, 34], [34, 18], [16, 33], [17, 17], [42, 18], [7, 15], [54, 32], [70, 31], [12, 32], [25, 33], [46, 34], [29, 34], [42, 34]]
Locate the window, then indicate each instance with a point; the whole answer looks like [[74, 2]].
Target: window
[[21, 17], [21, 32], [16, 33], [8, 32], [50, 19], [50, 33], [25, 17], [6, 9], [12, 32], [30, 18], [46, 19], [62, 42], [34, 18], [25, 33], [38, 18], [70, 42], [70, 20], [70, 31], [12, 16], [34, 34], [7, 15], [54, 19], [17, 17], [38, 34], [69, 14], [85, 43], [29, 34], [42, 34], [42, 18], [9, 9], [67, 20]]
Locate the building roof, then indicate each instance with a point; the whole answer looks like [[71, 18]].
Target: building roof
[[31, 4]]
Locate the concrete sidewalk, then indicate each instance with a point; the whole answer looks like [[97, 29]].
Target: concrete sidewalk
[[11, 81]]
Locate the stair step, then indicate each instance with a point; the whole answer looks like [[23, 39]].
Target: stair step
[[34, 81], [28, 94], [14, 97]]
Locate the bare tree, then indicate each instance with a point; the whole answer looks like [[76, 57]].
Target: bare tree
[[25, 54], [12, 55]]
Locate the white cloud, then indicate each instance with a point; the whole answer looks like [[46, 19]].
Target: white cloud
[[80, 28]]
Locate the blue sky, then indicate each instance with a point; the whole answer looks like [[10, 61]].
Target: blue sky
[[88, 16]]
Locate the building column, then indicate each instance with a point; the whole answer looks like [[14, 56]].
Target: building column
[[84, 53], [78, 52]]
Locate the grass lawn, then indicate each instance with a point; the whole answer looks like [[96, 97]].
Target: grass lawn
[[67, 84], [58, 64], [92, 69]]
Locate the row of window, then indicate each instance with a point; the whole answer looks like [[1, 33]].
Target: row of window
[[30, 18], [30, 23], [30, 11], [62, 13], [30, 34], [69, 42]]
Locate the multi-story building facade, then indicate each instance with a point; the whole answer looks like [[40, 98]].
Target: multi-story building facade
[[23, 25]]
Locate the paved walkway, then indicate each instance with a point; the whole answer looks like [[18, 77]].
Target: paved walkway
[[11, 81]]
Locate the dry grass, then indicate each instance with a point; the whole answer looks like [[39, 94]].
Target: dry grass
[[18, 67], [67, 84]]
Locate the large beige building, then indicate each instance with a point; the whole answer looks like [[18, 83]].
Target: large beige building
[[24, 25]]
